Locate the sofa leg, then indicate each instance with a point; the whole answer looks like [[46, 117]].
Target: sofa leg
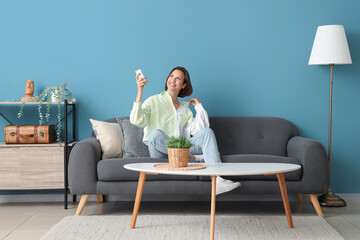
[[300, 197], [316, 204], [82, 203], [99, 198]]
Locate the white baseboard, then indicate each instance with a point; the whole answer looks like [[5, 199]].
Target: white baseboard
[[354, 197], [244, 197]]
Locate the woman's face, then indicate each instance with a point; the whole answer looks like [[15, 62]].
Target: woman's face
[[175, 82]]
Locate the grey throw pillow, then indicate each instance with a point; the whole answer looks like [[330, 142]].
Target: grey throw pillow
[[133, 145]]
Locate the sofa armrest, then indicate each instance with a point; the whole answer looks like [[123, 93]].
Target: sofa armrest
[[315, 165], [83, 166]]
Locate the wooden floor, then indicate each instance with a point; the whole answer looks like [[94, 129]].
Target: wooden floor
[[32, 220]]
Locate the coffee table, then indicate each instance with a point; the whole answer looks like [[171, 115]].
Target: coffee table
[[213, 170]]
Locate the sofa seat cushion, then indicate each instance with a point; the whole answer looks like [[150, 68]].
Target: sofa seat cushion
[[259, 158], [110, 170]]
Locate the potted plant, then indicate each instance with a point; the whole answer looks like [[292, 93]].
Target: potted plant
[[178, 151]]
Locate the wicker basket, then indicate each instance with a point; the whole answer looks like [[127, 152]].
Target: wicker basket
[[178, 157]]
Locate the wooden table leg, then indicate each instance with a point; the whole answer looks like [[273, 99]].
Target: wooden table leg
[[213, 203], [139, 191], [281, 179]]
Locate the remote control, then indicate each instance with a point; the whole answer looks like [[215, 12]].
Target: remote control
[[141, 74]]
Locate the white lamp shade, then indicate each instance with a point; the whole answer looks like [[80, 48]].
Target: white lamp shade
[[330, 46]]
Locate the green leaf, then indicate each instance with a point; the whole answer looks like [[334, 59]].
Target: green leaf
[[180, 142]]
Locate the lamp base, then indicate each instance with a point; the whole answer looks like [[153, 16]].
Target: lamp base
[[331, 200]]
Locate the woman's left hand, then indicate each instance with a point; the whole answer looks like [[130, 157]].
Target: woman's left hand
[[194, 101]]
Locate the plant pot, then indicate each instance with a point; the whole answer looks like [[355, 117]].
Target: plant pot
[[178, 157], [56, 96]]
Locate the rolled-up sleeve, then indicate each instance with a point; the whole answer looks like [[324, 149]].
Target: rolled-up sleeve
[[140, 114], [200, 121]]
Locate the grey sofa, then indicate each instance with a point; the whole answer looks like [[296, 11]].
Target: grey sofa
[[240, 139]]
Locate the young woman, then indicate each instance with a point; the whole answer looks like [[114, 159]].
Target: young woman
[[163, 115]]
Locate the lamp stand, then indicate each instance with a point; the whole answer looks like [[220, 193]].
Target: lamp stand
[[330, 199]]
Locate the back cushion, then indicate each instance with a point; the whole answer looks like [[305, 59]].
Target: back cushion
[[252, 135], [234, 135], [133, 139], [133, 145]]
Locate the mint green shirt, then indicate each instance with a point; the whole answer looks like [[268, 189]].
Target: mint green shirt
[[158, 112]]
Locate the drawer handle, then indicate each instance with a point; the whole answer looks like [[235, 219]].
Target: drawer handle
[[12, 134]]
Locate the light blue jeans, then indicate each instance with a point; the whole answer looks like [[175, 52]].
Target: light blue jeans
[[204, 143]]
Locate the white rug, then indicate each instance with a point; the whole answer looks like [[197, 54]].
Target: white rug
[[186, 227]]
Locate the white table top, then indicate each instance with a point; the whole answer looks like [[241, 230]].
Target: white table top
[[221, 169]]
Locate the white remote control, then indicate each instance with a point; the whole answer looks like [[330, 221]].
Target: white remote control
[[141, 74]]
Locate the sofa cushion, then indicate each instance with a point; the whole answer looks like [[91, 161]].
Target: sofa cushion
[[113, 170], [252, 135], [110, 137], [260, 158], [133, 146]]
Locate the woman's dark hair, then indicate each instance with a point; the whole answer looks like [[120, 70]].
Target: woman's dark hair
[[187, 91]]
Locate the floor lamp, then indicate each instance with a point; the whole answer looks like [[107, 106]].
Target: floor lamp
[[330, 47]]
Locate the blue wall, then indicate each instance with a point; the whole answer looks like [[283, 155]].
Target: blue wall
[[245, 58]]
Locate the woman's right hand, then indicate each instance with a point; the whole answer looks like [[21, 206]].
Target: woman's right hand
[[140, 82]]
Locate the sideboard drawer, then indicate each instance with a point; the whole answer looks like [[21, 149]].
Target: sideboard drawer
[[32, 167], [9, 167]]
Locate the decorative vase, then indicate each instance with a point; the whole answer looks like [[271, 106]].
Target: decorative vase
[[178, 157]]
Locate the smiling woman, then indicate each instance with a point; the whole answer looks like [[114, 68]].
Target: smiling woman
[[163, 115]]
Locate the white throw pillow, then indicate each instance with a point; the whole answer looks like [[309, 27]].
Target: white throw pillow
[[110, 137]]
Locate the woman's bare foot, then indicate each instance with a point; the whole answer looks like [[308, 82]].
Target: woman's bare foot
[[192, 156]]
